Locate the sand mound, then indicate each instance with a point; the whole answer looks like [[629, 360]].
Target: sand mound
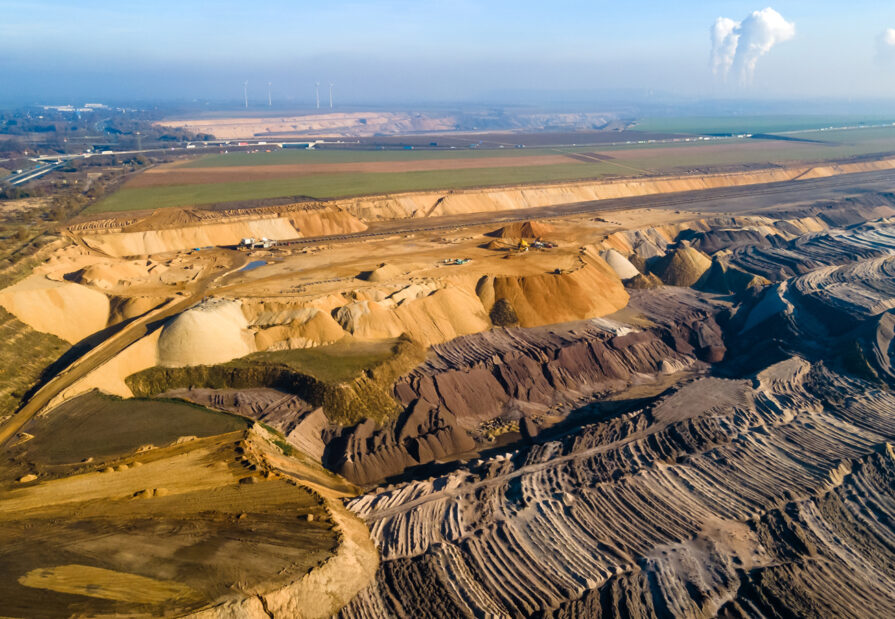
[[621, 265], [314, 328], [107, 276], [723, 278], [644, 281], [215, 331], [495, 245], [67, 310], [432, 319], [383, 273], [124, 308], [587, 292], [523, 230], [683, 266]]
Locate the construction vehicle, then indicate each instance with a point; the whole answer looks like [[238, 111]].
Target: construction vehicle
[[523, 246]]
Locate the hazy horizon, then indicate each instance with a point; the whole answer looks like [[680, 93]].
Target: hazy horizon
[[399, 52]]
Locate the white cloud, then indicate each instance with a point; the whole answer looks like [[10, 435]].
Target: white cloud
[[737, 46]]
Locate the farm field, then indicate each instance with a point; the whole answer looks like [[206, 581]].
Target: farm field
[[701, 125], [339, 173]]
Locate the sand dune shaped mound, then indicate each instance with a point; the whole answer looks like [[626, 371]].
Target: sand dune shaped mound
[[69, 311], [383, 273], [724, 278], [215, 331], [432, 319], [682, 266], [590, 291], [621, 265], [523, 230], [107, 276], [313, 328], [123, 308]]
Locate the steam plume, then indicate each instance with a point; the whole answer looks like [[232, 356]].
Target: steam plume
[[737, 46], [885, 47]]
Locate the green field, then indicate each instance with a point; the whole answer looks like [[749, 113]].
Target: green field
[[325, 186], [702, 125], [631, 160], [287, 156], [103, 427]]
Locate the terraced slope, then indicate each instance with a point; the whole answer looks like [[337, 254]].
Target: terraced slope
[[668, 511]]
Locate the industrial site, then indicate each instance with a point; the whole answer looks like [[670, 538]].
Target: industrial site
[[391, 309]]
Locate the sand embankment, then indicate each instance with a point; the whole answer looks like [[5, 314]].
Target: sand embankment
[[146, 242], [437, 203], [69, 311], [167, 230]]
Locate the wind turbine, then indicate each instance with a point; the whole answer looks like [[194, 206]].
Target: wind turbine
[[245, 93], [269, 101], [330, 95], [317, 93]]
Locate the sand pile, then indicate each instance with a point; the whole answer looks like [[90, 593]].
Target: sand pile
[[723, 278], [215, 331], [682, 266], [587, 292], [523, 230], [67, 310], [621, 265], [495, 245], [124, 308], [432, 319], [312, 328], [383, 273], [106, 275], [645, 281]]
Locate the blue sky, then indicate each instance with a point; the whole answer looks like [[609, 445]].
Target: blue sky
[[453, 50]]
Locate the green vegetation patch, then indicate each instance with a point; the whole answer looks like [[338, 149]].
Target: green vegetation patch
[[23, 357], [327, 186], [344, 360], [291, 156], [102, 427], [350, 381]]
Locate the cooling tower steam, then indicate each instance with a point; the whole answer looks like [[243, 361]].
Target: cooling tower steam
[[885, 47], [737, 46]]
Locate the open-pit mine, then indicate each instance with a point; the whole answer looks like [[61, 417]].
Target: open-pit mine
[[667, 396]]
